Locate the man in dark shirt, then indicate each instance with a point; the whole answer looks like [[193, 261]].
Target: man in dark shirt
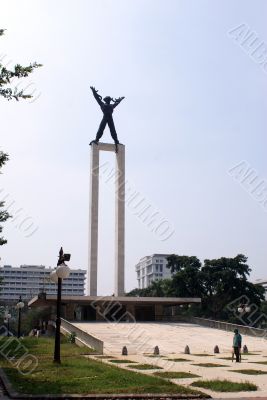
[[237, 343]]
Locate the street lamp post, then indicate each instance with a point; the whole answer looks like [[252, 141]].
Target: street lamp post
[[20, 306], [61, 272], [7, 318]]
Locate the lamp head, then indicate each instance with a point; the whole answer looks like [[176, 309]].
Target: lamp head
[[53, 276], [20, 304], [63, 271]]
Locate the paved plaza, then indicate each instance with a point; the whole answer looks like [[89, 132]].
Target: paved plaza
[[171, 338]]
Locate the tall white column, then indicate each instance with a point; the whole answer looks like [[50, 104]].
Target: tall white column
[[120, 221], [119, 217], [93, 220]]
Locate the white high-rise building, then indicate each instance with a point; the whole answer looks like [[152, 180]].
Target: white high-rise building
[[152, 268], [28, 281]]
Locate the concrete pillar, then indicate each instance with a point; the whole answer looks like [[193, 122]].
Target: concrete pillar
[[69, 311], [130, 309], [120, 221], [93, 220], [119, 217], [158, 312]]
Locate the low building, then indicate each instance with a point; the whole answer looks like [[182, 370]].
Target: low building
[[114, 309], [152, 268], [28, 281]]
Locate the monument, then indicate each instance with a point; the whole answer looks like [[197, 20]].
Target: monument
[[118, 307], [119, 149]]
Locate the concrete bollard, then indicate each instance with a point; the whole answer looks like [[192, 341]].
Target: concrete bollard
[[186, 350], [245, 349], [216, 349], [124, 351], [156, 351]]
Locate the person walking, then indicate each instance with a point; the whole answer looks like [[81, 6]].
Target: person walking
[[237, 343]]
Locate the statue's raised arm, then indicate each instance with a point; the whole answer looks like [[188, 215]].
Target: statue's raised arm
[[117, 101], [97, 96]]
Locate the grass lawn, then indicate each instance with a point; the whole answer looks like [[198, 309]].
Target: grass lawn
[[175, 375], [258, 362], [153, 356], [225, 386], [210, 365], [203, 355], [250, 371], [230, 358], [122, 361], [178, 359], [78, 374], [145, 366], [104, 357]]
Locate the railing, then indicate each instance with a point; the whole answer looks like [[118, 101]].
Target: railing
[[211, 323], [226, 326], [83, 337]]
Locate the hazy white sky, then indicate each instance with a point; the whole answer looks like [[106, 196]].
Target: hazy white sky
[[195, 107]]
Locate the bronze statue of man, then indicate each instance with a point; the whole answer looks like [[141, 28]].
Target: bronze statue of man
[[107, 108]]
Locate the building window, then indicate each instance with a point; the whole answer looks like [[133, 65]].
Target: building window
[[149, 269]]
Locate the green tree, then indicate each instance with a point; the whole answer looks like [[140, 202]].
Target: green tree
[[4, 215], [218, 282], [6, 77], [224, 280], [157, 288], [177, 263], [186, 276], [134, 293]]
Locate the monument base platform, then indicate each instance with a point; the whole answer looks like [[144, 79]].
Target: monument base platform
[[114, 309]]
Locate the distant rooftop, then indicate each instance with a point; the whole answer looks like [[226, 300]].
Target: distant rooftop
[[153, 255], [38, 267]]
